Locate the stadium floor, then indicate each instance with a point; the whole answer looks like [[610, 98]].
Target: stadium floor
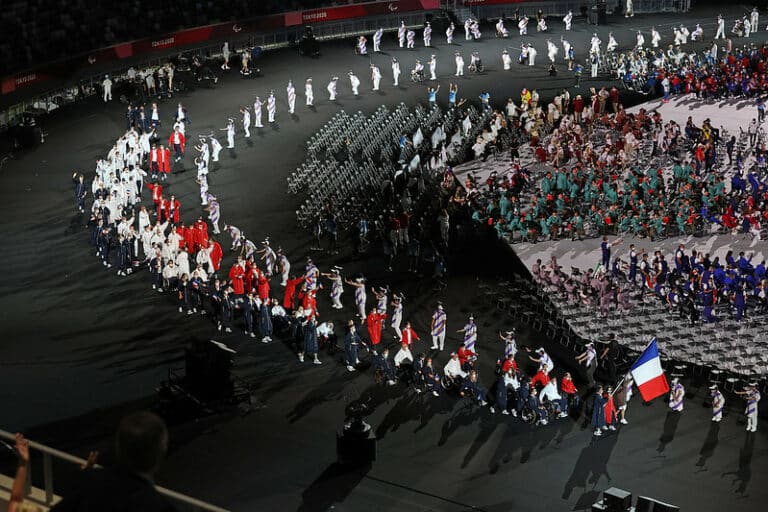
[[82, 345]]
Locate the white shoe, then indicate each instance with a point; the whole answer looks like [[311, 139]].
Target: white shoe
[[433, 347], [301, 358], [181, 310], [390, 382], [417, 390], [483, 403], [562, 415], [505, 412], [514, 413], [543, 422], [597, 433], [623, 421], [611, 427], [317, 361], [190, 312], [350, 368], [228, 329], [605, 427], [219, 327], [159, 290], [493, 411], [436, 393], [264, 340], [252, 335]]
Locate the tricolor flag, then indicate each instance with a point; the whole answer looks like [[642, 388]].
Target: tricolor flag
[[648, 375]]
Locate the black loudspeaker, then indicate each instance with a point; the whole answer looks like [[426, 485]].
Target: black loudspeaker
[[356, 444], [617, 500], [644, 504], [209, 370]]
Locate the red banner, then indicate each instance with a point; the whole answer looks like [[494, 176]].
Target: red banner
[[360, 11]]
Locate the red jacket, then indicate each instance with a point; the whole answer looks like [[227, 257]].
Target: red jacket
[[236, 275], [540, 378], [464, 355], [508, 363], [567, 387], [374, 321], [262, 285], [174, 210], [409, 336], [610, 410], [165, 160], [157, 191], [199, 234], [216, 255], [182, 139], [290, 290]]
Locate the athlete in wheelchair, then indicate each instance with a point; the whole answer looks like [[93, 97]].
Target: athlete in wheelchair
[[385, 370], [553, 401], [417, 73], [475, 63], [453, 373], [471, 388]]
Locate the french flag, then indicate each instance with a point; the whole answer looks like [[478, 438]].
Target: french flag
[[648, 375]]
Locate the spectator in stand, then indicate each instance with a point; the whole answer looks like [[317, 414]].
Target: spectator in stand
[[140, 446]]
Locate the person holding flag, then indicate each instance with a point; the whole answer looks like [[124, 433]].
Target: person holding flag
[[648, 375], [676, 395]]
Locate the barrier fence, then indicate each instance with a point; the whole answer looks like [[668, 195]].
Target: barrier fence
[[49, 455]]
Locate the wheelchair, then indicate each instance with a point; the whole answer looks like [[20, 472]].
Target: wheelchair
[[476, 67], [417, 76], [529, 416], [450, 383]]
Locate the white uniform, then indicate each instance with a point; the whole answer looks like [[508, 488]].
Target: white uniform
[[401, 34], [720, 28], [309, 92], [355, 83], [231, 134], [594, 45], [468, 29], [640, 40], [271, 107], [754, 18], [215, 149], [531, 55], [568, 20], [247, 122], [506, 60], [551, 51], [257, 104], [433, 68], [107, 85], [630, 10], [396, 72], [427, 36], [612, 44], [459, 65], [522, 26], [377, 40], [375, 77], [449, 33], [291, 90], [410, 36], [655, 38], [332, 89]]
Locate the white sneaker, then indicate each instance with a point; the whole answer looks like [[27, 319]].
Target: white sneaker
[[483, 403], [514, 413], [390, 382], [433, 347], [436, 393], [597, 433], [623, 421], [418, 391], [159, 290], [219, 327], [264, 340], [611, 427], [301, 358], [181, 310], [317, 361], [228, 329], [505, 412], [350, 368], [189, 312], [543, 422], [252, 335], [562, 415], [493, 411]]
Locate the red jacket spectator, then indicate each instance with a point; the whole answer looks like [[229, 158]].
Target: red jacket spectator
[[464, 355], [181, 138], [508, 364], [166, 160], [409, 336], [566, 386], [174, 210]]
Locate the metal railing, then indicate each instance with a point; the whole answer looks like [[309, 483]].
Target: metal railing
[[561, 7], [49, 454]]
